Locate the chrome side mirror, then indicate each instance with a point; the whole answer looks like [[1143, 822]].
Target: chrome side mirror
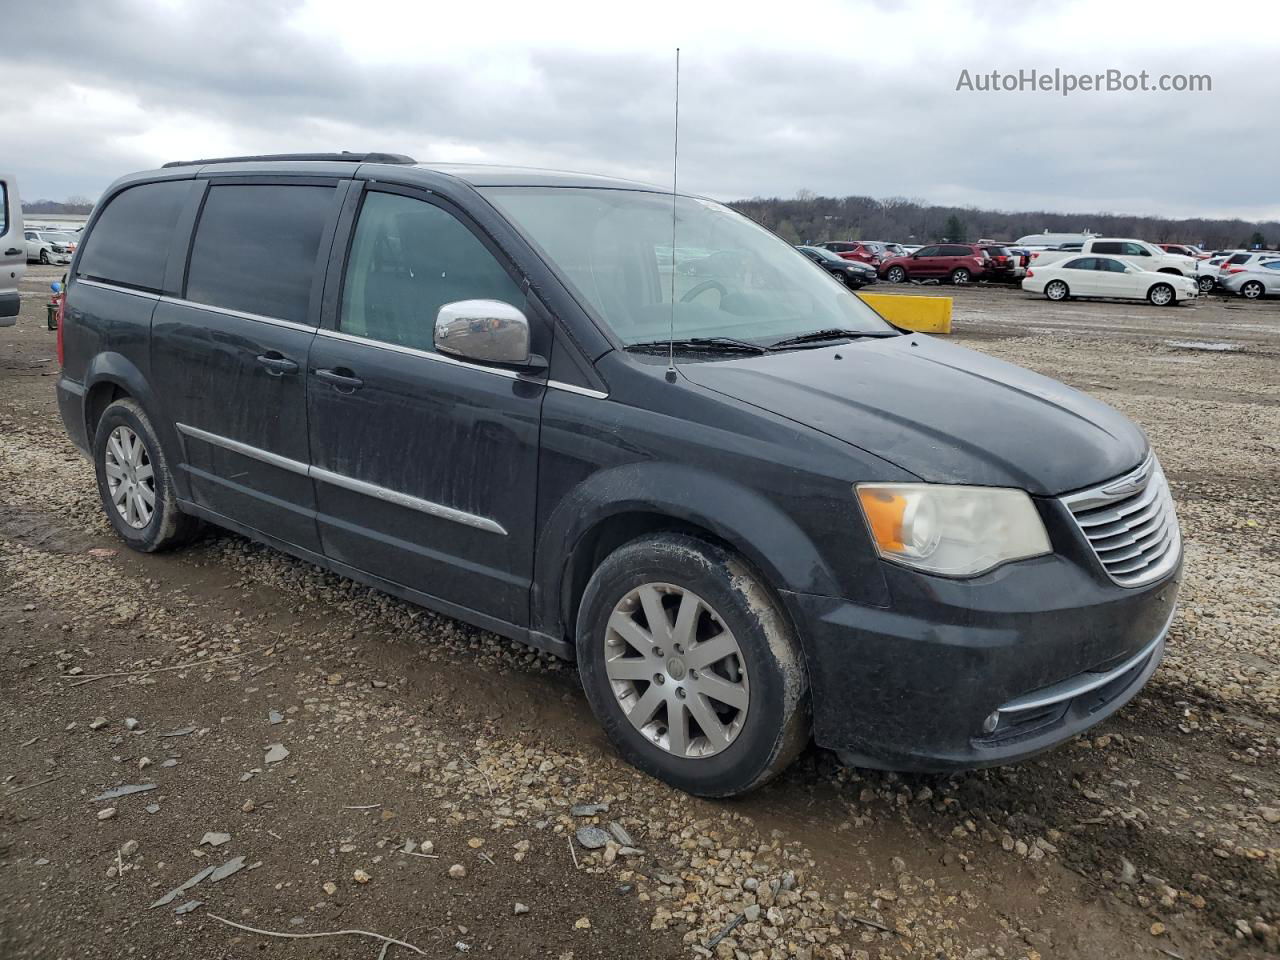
[[488, 331]]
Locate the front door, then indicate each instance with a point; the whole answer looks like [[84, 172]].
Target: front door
[[229, 356], [425, 466]]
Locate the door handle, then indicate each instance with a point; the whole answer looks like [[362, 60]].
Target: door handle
[[277, 364], [12, 252], [341, 379]]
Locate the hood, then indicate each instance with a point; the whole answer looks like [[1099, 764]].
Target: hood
[[941, 412]]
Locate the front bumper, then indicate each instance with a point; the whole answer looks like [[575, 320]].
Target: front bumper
[[1048, 647]]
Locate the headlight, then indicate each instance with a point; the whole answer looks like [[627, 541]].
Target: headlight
[[951, 530]]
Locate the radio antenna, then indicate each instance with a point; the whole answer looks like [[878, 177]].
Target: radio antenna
[[675, 168]]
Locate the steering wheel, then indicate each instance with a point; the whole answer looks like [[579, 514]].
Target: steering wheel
[[702, 288]]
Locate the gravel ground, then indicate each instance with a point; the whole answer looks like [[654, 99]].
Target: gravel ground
[[433, 785]]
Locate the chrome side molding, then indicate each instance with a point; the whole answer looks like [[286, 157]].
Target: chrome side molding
[[348, 483]]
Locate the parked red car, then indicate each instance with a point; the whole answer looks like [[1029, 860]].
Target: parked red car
[[1184, 250], [957, 262], [872, 253]]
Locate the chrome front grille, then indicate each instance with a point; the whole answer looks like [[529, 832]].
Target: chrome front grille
[[1130, 524]]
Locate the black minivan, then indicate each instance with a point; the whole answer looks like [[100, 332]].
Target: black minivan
[[752, 510]]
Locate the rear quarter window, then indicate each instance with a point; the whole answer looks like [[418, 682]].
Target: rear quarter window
[[130, 241], [1106, 247], [256, 247]]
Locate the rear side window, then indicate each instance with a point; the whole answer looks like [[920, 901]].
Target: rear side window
[[256, 247], [130, 241], [1105, 246], [953, 250], [408, 259], [1082, 263]]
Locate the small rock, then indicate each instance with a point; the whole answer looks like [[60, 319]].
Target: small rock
[[588, 809], [144, 762], [752, 913], [188, 906], [215, 839], [592, 838], [582, 923], [1270, 814], [247, 806], [98, 723], [1157, 929], [330, 888], [153, 808], [129, 848], [276, 752], [620, 834], [130, 723], [360, 877], [426, 846], [520, 908], [274, 717], [457, 871], [475, 843], [107, 813]]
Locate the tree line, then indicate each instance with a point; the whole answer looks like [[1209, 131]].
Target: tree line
[[808, 218], [78, 205]]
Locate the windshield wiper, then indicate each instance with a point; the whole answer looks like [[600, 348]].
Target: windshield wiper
[[701, 343], [820, 336]]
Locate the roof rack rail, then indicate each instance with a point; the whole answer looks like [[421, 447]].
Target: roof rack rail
[[345, 156]]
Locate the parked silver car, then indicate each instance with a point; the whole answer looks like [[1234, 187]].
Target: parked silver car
[[1260, 278]]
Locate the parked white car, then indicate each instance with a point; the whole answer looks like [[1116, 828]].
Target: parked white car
[[1108, 277], [50, 246], [1147, 255], [1255, 280], [1207, 273]]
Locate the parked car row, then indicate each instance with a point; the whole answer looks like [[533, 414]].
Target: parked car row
[[957, 263]]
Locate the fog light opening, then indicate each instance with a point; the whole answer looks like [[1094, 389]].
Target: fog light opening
[[993, 720]]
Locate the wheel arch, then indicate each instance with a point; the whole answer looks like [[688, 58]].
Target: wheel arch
[[111, 376], [617, 506]]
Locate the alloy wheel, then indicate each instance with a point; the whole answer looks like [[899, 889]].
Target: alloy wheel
[[1056, 290], [1252, 290], [676, 670], [131, 481], [1161, 295]]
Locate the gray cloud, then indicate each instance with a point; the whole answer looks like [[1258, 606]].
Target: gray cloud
[[154, 83]]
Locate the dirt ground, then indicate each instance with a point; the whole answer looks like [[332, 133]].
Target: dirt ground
[[432, 770]]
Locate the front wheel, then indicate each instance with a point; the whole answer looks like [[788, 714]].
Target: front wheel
[[1205, 284], [44, 257], [1252, 290], [690, 666], [960, 276], [134, 481], [1161, 295], [895, 274], [1056, 290]]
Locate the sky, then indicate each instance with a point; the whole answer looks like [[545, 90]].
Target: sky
[[837, 98]]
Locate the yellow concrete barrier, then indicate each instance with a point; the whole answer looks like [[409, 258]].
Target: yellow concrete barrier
[[922, 314]]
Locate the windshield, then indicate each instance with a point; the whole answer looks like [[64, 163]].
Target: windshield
[[732, 277]]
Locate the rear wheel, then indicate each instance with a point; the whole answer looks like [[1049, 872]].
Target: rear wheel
[[1056, 290], [895, 274], [960, 276], [135, 483], [1252, 290], [1161, 295], [691, 667]]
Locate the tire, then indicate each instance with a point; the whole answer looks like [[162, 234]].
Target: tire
[[960, 276], [1056, 290], [1162, 295], [44, 257], [895, 274], [1252, 290], [758, 735], [1205, 284], [119, 463]]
